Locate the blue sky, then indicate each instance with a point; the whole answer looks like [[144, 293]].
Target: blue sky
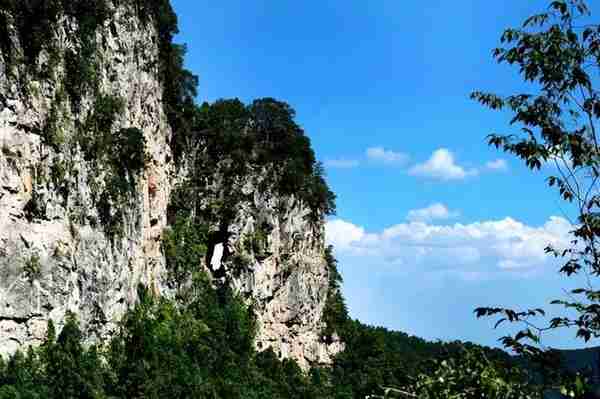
[[431, 221]]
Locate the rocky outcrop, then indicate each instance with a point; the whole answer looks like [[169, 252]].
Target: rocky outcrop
[[274, 255], [55, 256], [72, 239]]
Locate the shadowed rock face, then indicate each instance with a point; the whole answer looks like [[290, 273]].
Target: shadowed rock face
[[56, 253]]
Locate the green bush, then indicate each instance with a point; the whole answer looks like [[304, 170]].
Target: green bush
[[32, 267], [95, 137], [257, 242], [52, 133], [184, 245], [179, 84], [471, 374], [335, 313], [121, 155], [58, 175]]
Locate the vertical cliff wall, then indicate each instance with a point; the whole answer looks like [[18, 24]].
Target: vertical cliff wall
[[69, 240], [272, 253], [86, 176]]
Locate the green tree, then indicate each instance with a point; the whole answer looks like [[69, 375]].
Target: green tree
[[557, 53], [469, 375], [70, 370]]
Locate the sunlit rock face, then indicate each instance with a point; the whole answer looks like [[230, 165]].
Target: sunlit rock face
[[55, 256], [273, 254], [56, 252]]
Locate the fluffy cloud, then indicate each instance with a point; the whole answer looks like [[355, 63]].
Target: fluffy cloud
[[380, 154], [489, 246], [342, 234], [499, 165], [441, 165], [435, 211], [342, 163]]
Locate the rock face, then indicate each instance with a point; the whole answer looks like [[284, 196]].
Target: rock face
[[57, 253], [273, 254], [54, 255]]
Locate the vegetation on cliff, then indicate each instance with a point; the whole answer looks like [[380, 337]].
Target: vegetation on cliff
[[238, 143]]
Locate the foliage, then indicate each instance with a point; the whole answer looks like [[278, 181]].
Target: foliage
[[58, 175], [162, 350], [95, 136], [80, 67], [257, 241], [559, 126], [179, 84], [469, 375], [557, 53], [52, 132], [34, 22], [375, 357], [32, 267], [121, 152], [184, 245], [35, 208], [235, 142], [205, 349], [335, 314]]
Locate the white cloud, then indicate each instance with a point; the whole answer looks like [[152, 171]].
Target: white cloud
[[441, 165], [342, 234], [435, 211], [342, 163], [380, 154], [489, 246], [499, 165]]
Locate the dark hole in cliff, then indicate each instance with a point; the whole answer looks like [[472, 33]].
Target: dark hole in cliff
[[113, 29], [153, 222]]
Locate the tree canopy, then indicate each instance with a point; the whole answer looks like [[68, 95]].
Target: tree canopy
[[558, 53]]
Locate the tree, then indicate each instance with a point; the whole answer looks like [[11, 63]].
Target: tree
[[558, 53], [468, 375]]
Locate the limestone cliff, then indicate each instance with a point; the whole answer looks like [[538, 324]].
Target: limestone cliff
[[86, 176]]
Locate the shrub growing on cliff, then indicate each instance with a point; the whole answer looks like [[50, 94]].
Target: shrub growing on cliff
[[335, 313], [35, 23], [32, 267], [184, 245], [179, 84]]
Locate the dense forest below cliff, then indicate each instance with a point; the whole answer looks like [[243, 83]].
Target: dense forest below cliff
[[205, 350]]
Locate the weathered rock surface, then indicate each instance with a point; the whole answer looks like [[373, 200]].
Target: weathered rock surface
[[60, 259], [284, 274], [55, 256]]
